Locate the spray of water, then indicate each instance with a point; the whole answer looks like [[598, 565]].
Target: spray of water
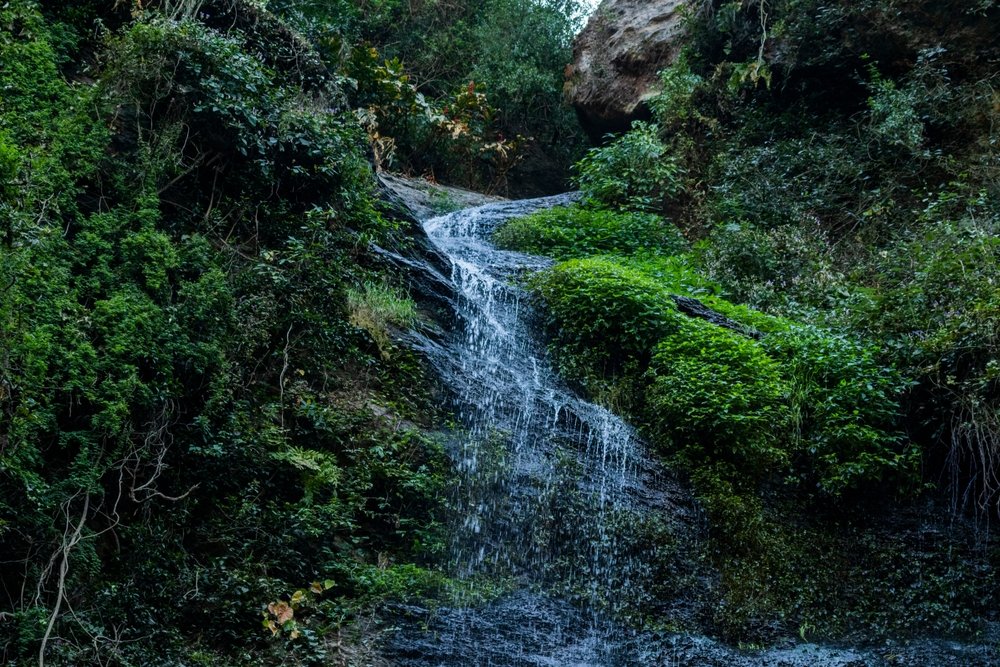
[[548, 480]]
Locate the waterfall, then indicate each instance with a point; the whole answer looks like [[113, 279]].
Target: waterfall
[[549, 482]]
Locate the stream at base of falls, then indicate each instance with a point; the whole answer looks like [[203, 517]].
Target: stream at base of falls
[[559, 501]]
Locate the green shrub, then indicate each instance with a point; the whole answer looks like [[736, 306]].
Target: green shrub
[[455, 137], [812, 405], [178, 372], [939, 314], [512, 52], [788, 269], [719, 397], [676, 104], [800, 178], [634, 171], [895, 120], [846, 409], [604, 312], [678, 273], [182, 79], [571, 232], [10, 164]]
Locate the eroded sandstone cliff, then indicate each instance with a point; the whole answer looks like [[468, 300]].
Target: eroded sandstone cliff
[[617, 57]]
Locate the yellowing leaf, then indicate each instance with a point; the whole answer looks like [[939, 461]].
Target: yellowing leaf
[[281, 611]]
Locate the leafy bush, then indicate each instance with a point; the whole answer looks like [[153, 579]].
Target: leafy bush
[[10, 163], [803, 404], [455, 136], [845, 408], [719, 398], [894, 118], [603, 314], [570, 232], [675, 106], [182, 79], [787, 269], [795, 180], [635, 171], [938, 313]]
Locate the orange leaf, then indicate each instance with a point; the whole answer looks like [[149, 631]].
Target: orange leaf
[[281, 611]]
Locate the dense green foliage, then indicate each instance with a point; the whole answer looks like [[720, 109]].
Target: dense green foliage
[[213, 449], [769, 418], [516, 49], [800, 405], [838, 218], [634, 171], [604, 314], [465, 92], [833, 166], [720, 394], [568, 232], [202, 410]]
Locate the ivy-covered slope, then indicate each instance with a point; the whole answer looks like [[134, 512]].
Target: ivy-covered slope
[[212, 451]]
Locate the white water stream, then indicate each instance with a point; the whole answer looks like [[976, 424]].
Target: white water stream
[[547, 479]]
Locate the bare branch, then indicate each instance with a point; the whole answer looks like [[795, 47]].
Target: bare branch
[[64, 550]]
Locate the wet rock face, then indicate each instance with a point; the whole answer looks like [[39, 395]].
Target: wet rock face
[[617, 57]]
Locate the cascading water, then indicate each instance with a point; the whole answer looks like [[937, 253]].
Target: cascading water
[[555, 498], [548, 479]]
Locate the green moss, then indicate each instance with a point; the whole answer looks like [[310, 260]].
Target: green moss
[[717, 396], [575, 231]]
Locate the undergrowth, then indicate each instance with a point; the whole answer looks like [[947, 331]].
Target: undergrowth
[[195, 435]]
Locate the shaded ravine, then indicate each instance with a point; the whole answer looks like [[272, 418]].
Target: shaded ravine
[[553, 495]]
